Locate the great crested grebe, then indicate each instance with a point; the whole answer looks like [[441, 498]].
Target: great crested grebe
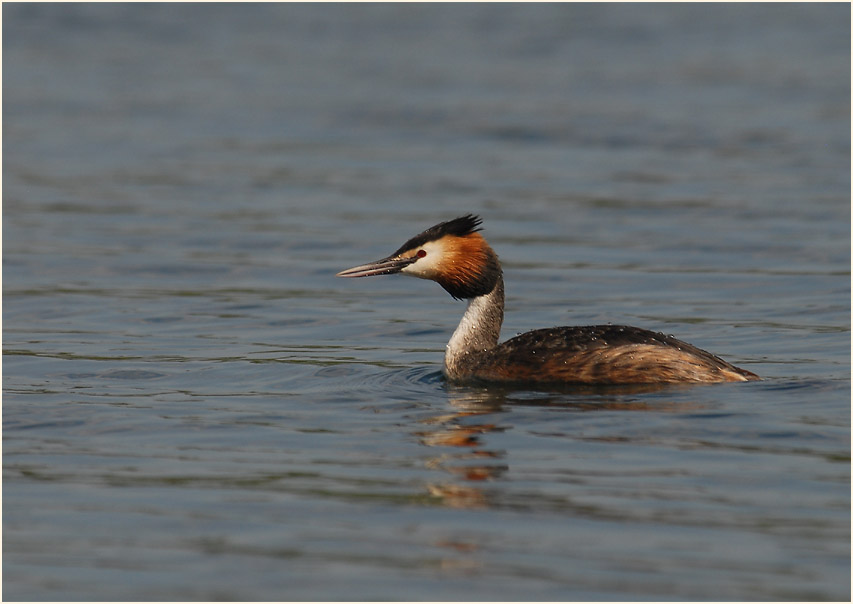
[[457, 257]]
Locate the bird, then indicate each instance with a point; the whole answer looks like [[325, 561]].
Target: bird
[[455, 255]]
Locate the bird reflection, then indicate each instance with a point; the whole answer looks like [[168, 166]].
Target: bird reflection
[[473, 463], [463, 433]]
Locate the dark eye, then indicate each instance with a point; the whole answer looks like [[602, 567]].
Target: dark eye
[[421, 253]]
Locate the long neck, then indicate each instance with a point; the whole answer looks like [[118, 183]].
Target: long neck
[[478, 330]]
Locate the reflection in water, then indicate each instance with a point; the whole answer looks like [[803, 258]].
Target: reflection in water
[[477, 464], [473, 464]]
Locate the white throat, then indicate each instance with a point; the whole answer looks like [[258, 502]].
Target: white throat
[[478, 331]]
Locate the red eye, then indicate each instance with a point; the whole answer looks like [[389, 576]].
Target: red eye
[[421, 253]]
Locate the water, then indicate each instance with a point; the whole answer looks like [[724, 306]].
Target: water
[[195, 408]]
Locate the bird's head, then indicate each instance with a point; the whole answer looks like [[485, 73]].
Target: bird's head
[[452, 253]]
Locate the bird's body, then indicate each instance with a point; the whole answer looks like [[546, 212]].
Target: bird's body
[[457, 257]]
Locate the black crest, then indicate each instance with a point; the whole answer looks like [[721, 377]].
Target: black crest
[[459, 227]]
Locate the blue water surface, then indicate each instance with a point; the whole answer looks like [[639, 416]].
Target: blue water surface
[[194, 408]]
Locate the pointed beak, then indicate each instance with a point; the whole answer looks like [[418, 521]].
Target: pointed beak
[[386, 266]]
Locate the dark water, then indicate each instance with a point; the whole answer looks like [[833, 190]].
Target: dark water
[[195, 408]]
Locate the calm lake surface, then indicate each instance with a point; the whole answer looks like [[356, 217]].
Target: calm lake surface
[[195, 408]]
